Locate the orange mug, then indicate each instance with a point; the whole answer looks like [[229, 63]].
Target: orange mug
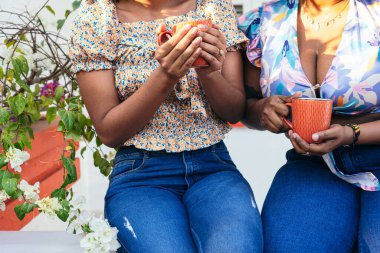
[[165, 36], [309, 116]]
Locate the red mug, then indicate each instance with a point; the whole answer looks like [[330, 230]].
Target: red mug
[[309, 116], [164, 36]]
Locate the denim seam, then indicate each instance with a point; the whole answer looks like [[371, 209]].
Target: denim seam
[[128, 172], [218, 158], [197, 240], [186, 169]]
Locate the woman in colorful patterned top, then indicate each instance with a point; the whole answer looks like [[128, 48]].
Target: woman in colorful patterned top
[[328, 49], [174, 187]]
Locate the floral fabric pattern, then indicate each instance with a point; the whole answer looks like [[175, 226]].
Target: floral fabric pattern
[[353, 80], [185, 121]]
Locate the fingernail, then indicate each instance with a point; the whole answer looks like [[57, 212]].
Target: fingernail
[[198, 40], [315, 137], [187, 27], [194, 30], [202, 26], [295, 136]]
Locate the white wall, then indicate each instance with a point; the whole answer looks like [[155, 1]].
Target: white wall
[[257, 154]]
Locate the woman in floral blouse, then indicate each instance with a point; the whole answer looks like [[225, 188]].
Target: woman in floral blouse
[[174, 187], [326, 197]]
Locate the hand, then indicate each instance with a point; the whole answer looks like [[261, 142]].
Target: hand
[[326, 141], [213, 49], [178, 54], [272, 110]]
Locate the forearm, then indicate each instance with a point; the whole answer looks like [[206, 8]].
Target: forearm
[[369, 133], [226, 101], [251, 118], [127, 118]]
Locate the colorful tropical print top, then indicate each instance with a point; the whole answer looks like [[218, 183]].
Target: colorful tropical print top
[[353, 80], [185, 121]]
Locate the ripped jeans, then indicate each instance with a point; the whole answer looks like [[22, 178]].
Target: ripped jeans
[[192, 201]]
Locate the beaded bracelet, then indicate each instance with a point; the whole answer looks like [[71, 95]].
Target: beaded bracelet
[[356, 134]]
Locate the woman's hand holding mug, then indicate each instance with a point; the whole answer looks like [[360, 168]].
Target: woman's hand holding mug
[[178, 53]]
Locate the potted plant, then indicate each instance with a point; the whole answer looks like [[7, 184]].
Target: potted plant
[[42, 119]]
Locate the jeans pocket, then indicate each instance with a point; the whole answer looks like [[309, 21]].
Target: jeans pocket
[[126, 166], [223, 157], [360, 158]]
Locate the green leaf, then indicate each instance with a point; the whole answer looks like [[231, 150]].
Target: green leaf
[[23, 84], [60, 23], [68, 118], [23, 209], [25, 140], [9, 42], [59, 193], [16, 68], [97, 158], [30, 132], [4, 116], [82, 151], [71, 175], [23, 64], [17, 104], [48, 7], [67, 13], [51, 114], [1, 73], [72, 150], [76, 4], [98, 141], [3, 162], [58, 93], [63, 213], [23, 37], [10, 185]]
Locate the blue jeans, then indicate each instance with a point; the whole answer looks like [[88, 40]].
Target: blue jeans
[[308, 209], [192, 201]]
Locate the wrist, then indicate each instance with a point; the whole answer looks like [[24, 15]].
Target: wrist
[[348, 136], [164, 77]]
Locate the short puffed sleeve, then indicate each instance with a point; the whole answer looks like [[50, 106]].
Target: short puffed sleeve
[[94, 37], [223, 14], [249, 24]]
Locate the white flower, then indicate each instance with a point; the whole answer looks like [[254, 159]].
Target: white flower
[[6, 53], [30, 192], [17, 157], [103, 238], [49, 206], [82, 218], [3, 197], [77, 203]]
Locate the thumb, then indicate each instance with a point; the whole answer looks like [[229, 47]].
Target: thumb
[[161, 28], [288, 99]]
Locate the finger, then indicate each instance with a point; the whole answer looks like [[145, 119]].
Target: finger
[[295, 144], [213, 61], [301, 142], [213, 39], [182, 59], [182, 45], [288, 99], [161, 28], [277, 121], [329, 134], [281, 109], [211, 49], [191, 60], [178, 37], [222, 37]]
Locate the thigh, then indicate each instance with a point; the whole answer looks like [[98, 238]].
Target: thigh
[[308, 209], [150, 220], [223, 214], [369, 228]]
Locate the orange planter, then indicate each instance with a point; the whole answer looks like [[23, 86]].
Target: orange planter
[[44, 166]]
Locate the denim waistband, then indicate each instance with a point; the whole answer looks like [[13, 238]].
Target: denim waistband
[[349, 160], [133, 152]]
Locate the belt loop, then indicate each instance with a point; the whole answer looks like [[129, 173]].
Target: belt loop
[[213, 148], [146, 153]]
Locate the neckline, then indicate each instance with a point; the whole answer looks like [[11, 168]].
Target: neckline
[[339, 48], [154, 21]]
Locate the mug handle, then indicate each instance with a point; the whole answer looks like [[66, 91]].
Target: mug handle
[[288, 122], [164, 37]]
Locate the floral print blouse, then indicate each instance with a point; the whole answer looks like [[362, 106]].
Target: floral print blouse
[[353, 80], [185, 121]]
